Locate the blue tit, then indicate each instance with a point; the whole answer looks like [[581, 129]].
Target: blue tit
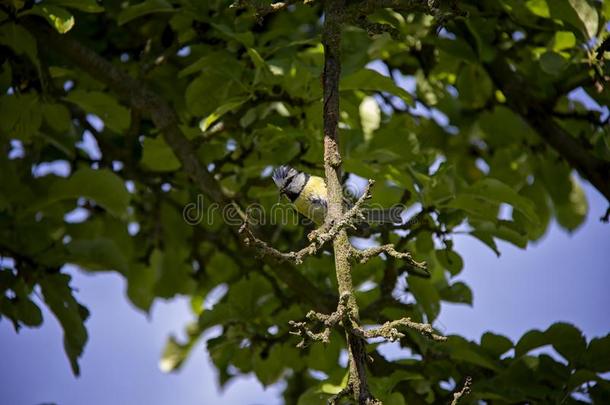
[[306, 192], [309, 196]]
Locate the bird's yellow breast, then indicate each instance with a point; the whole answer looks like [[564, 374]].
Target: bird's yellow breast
[[313, 200]]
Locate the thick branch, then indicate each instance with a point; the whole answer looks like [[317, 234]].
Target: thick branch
[[331, 40]]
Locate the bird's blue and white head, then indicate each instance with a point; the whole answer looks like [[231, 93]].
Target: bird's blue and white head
[[289, 180]]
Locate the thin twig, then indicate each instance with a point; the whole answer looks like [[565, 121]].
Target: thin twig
[[464, 391], [265, 249], [329, 321], [365, 254], [263, 9], [389, 330]]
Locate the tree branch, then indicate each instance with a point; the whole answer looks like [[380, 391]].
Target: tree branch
[[334, 15], [266, 250], [464, 391], [389, 330], [364, 255], [263, 9]]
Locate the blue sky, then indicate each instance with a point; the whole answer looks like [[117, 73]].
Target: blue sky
[[562, 278]]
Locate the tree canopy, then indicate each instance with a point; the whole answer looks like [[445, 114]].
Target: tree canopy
[[137, 136]]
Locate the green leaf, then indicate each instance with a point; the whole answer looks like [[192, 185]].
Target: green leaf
[[597, 356], [269, 366], [245, 38], [174, 274], [370, 80], [89, 6], [572, 213], [19, 40], [114, 115], [158, 156], [20, 116], [563, 40], [587, 15], [230, 105], [450, 260], [497, 345], [60, 18], [536, 193], [370, 116], [426, 295], [56, 116], [324, 357], [103, 186], [531, 340], [175, 353], [552, 63], [457, 292], [27, 312], [539, 8], [146, 7], [487, 239], [207, 92], [474, 86], [578, 14], [141, 280], [97, 254], [565, 338], [313, 396], [493, 191], [6, 77], [463, 350], [508, 231], [334, 388], [70, 314]]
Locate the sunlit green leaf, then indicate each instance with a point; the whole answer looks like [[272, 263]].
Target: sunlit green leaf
[[60, 18]]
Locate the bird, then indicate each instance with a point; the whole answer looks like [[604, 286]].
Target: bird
[[309, 196], [307, 192]]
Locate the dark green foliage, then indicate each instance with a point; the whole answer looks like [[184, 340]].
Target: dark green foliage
[[246, 91]]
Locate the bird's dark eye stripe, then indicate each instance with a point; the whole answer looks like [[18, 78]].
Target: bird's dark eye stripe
[[288, 182]]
